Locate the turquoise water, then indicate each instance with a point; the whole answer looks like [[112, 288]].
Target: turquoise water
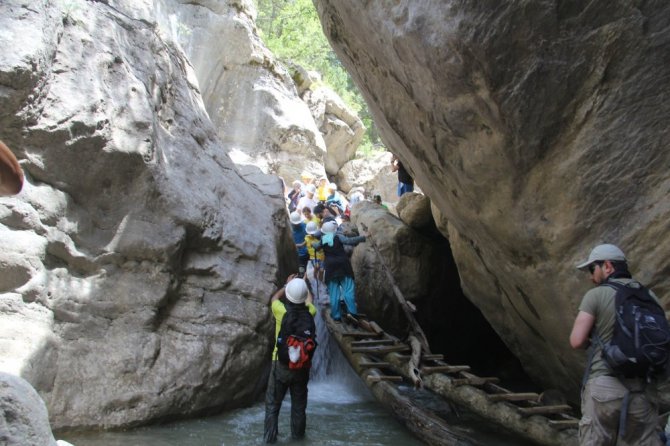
[[340, 411]]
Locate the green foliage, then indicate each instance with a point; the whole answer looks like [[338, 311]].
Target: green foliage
[[292, 31]]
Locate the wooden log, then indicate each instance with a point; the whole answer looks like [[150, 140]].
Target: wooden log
[[506, 416], [376, 328], [494, 388], [407, 309], [476, 381], [445, 369], [427, 426], [370, 342], [360, 334], [564, 424], [530, 396], [413, 364], [365, 325], [425, 357], [378, 378], [381, 350], [373, 364], [544, 410]]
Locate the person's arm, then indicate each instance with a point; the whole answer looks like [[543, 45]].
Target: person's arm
[[581, 330], [281, 291], [351, 240], [310, 298]]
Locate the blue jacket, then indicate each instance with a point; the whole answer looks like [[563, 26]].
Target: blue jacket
[[299, 233]]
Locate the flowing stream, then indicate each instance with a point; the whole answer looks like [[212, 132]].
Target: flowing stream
[[340, 411]]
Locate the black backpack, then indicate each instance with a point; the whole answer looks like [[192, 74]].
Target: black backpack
[[640, 345], [296, 341]]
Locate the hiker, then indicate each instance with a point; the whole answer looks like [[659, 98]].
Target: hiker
[[323, 213], [294, 195], [11, 175], [334, 200], [405, 180], [339, 276], [307, 178], [356, 195], [299, 232], [308, 200], [291, 302], [378, 199], [322, 189], [613, 405], [316, 258], [309, 216]]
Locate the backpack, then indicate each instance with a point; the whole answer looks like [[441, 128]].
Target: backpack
[[640, 345], [296, 341]]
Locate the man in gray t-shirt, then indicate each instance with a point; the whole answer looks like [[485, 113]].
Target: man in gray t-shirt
[[603, 395]]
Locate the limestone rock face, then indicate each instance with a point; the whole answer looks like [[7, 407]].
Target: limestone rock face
[[24, 419], [340, 126], [408, 255], [250, 98], [535, 129], [373, 174], [414, 209], [133, 287]]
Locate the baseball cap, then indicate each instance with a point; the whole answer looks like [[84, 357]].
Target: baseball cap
[[601, 253]]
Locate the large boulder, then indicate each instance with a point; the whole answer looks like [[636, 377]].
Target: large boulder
[[250, 97], [410, 257], [373, 174], [24, 420], [133, 289], [536, 130]]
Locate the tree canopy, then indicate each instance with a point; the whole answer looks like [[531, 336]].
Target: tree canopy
[[292, 31]]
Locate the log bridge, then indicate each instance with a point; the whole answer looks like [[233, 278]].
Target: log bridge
[[384, 362]]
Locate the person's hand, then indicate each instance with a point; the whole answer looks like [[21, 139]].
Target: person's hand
[[290, 277]]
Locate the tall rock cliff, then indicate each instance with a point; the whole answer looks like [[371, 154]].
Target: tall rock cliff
[[137, 263], [538, 130], [250, 98]]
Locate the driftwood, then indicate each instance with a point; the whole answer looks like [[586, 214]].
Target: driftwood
[[413, 364], [430, 428], [459, 390]]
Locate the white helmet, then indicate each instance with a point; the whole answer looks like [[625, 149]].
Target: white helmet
[[332, 186], [295, 218], [329, 227], [312, 228], [296, 291]]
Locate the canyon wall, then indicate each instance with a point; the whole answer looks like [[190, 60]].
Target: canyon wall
[[538, 130], [137, 261]]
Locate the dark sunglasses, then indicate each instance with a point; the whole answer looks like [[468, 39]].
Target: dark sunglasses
[[592, 267]]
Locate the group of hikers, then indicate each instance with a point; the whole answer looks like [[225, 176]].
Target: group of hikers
[[619, 319], [316, 217]]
